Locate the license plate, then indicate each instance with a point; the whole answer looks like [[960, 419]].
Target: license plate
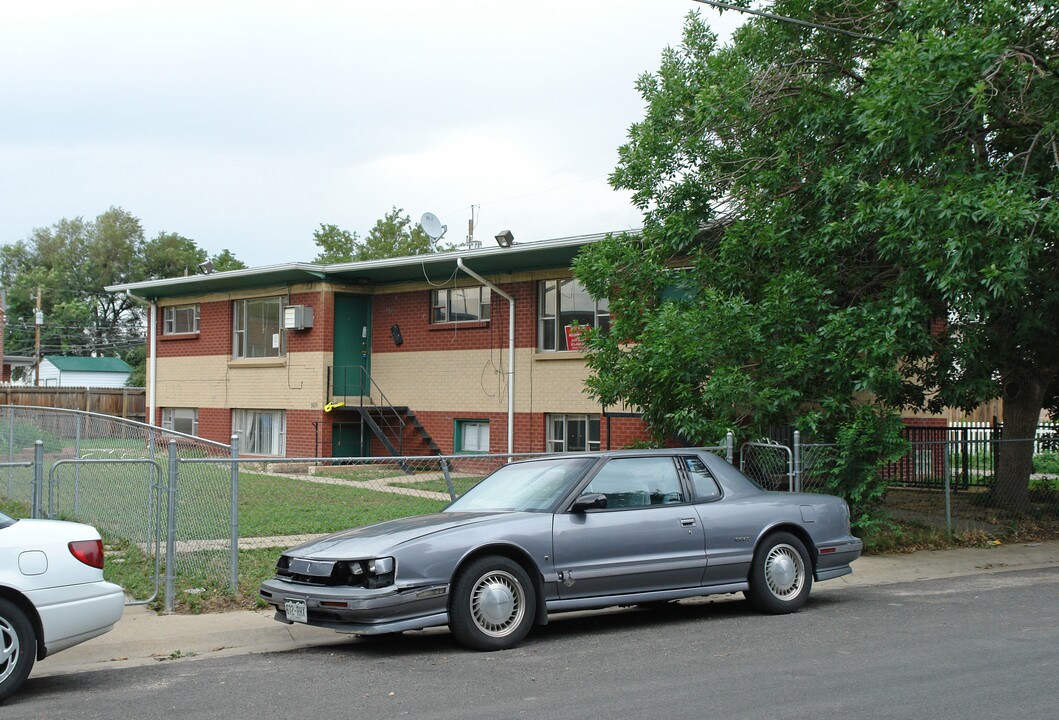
[[296, 611]]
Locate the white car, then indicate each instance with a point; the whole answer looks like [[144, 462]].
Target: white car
[[52, 593]]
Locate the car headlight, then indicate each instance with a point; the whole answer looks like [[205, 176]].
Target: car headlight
[[381, 566], [373, 573]]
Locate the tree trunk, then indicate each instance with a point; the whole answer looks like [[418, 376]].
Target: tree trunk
[[1023, 401]]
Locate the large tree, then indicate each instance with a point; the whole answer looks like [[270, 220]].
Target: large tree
[[393, 235], [71, 262], [842, 222]]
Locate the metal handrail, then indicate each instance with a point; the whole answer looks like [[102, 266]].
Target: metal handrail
[[383, 404]]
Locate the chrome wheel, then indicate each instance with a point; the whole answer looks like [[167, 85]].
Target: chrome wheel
[[10, 650], [498, 603], [784, 571], [781, 574], [18, 647], [492, 603]]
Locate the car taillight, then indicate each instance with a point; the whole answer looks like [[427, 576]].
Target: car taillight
[[90, 552]]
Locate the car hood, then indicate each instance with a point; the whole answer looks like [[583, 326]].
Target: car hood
[[379, 539]]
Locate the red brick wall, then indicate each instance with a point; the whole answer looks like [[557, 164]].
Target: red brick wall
[[411, 312], [215, 329], [213, 338]]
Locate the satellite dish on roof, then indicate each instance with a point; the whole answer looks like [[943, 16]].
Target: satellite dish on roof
[[432, 226]]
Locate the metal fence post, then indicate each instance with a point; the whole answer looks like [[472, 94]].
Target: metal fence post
[[38, 479], [170, 540], [729, 445], [448, 477], [797, 484], [77, 466], [233, 578], [10, 449]]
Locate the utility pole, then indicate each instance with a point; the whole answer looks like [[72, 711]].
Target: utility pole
[[38, 321]]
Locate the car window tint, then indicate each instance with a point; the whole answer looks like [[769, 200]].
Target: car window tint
[[702, 482], [638, 482]]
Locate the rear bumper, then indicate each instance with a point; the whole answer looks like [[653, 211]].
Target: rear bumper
[[833, 559], [72, 614]]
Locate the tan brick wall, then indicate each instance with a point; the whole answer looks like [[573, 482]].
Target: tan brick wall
[[467, 379], [297, 381]]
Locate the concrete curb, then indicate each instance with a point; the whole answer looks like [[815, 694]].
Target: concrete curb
[[143, 637]]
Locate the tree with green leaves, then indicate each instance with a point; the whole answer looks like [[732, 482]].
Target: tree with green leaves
[[393, 235], [71, 262], [842, 223]]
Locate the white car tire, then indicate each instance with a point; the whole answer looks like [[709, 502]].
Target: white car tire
[[18, 647]]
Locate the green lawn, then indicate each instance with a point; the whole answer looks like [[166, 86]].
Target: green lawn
[[461, 484]]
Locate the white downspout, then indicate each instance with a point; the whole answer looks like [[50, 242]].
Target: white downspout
[[152, 339], [510, 351], [152, 380]]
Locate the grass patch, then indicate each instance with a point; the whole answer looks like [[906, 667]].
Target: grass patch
[[1046, 463], [13, 508], [271, 506], [907, 537], [460, 484], [361, 474]]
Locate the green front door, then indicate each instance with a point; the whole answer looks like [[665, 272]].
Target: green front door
[[352, 349], [346, 441]]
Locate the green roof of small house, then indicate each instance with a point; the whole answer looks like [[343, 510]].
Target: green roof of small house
[[89, 364]]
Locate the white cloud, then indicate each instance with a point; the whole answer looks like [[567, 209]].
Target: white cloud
[[247, 123]]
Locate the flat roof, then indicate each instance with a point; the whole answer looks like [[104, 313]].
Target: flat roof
[[435, 267]]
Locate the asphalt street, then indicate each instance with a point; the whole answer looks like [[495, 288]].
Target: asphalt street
[[967, 648]]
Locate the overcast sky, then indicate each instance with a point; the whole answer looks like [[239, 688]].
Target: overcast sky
[[245, 124]]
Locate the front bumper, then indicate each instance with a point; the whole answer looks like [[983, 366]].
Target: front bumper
[[362, 610]]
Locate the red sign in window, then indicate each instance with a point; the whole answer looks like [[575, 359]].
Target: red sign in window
[[574, 339]]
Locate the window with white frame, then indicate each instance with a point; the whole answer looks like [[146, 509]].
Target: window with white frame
[[563, 306], [261, 432], [463, 304], [257, 328], [572, 433], [182, 420], [471, 436], [180, 319]]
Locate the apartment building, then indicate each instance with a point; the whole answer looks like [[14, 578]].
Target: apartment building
[[469, 351]]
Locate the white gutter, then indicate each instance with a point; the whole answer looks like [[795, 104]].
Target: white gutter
[[510, 351]]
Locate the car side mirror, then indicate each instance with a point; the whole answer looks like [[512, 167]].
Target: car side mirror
[[590, 501]]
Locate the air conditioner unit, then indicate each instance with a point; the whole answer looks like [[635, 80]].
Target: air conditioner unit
[[297, 317]]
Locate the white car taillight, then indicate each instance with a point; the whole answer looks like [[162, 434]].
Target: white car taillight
[[90, 552]]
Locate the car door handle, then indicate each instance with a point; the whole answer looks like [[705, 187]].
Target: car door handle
[[687, 522]]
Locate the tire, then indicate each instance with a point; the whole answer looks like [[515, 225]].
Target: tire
[[781, 576], [493, 604], [18, 648]]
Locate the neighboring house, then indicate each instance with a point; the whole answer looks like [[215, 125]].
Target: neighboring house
[[403, 356], [63, 371]]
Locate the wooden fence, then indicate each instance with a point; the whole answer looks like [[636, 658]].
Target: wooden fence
[[124, 402]]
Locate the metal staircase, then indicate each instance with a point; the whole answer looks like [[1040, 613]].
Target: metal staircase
[[388, 423]]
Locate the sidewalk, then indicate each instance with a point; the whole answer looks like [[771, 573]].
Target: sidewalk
[[143, 637]]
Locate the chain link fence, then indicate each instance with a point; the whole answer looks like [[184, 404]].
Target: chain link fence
[[948, 479], [189, 522]]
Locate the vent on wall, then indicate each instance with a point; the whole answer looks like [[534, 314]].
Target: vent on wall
[[297, 317]]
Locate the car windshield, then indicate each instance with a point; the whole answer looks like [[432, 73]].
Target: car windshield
[[532, 486], [5, 521]]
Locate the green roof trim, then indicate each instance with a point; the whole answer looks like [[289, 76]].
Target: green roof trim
[[89, 364], [434, 267]]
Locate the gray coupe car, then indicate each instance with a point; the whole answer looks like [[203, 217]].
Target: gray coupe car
[[564, 533]]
